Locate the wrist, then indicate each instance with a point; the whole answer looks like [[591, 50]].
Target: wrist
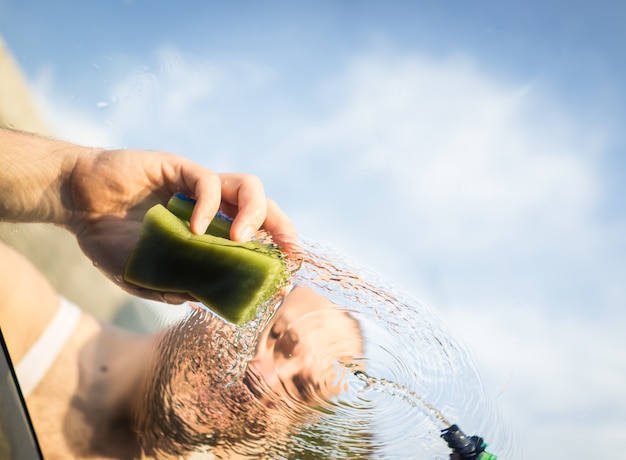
[[72, 171]]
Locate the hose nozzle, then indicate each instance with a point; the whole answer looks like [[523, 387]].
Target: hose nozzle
[[464, 447]]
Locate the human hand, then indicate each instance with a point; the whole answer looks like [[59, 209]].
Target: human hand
[[110, 192]]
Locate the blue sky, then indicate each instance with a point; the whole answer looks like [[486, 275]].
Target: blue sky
[[472, 152]]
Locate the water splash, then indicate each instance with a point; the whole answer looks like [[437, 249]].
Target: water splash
[[237, 344], [412, 378], [415, 378]]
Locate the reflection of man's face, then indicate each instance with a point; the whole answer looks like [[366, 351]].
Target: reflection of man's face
[[303, 350], [298, 363]]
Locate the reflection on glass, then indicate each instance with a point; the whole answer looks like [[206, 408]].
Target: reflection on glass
[[299, 365], [347, 367]]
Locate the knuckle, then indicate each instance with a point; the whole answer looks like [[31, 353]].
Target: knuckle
[[250, 180]]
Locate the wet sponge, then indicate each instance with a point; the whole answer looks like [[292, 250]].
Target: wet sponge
[[230, 278]]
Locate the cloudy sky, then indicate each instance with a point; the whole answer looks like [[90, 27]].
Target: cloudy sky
[[472, 152]]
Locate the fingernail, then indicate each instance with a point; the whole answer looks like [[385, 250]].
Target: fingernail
[[247, 233], [203, 226]]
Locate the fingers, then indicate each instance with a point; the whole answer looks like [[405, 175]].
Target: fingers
[[207, 193], [279, 226], [247, 194], [196, 181], [243, 193], [254, 209]]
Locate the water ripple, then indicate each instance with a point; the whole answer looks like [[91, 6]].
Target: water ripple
[[410, 380]]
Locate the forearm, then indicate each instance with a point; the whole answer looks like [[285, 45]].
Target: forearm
[[35, 175]]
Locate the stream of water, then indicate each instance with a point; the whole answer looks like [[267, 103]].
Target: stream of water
[[415, 378]]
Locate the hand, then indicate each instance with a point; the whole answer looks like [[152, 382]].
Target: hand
[[110, 192]]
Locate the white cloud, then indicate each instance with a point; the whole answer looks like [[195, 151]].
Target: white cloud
[[459, 154], [170, 101]]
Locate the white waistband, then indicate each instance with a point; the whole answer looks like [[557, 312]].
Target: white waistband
[[34, 365]]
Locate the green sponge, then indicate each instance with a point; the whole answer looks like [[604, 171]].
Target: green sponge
[[230, 278]]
